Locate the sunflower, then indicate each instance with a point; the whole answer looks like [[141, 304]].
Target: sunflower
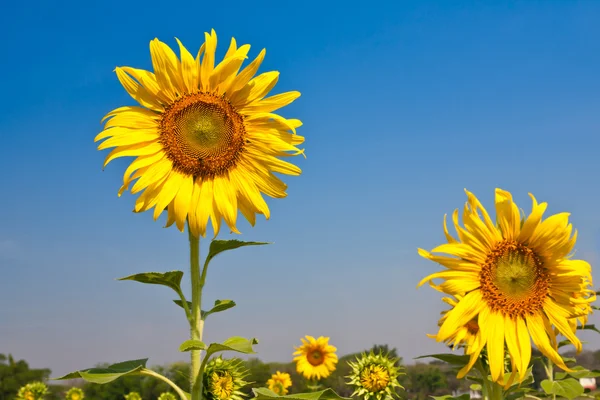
[[374, 376], [74, 394], [315, 359], [32, 391], [167, 396], [223, 379], [279, 383], [516, 279], [205, 137], [133, 396]]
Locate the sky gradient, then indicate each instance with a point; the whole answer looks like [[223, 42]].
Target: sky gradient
[[403, 105]]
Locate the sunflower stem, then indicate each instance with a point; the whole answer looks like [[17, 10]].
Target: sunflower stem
[[197, 324], [550, 373]]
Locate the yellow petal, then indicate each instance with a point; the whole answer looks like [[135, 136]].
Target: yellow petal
[[532, 222], [226, 201], [247, 73], [507, 214], [559, 318], [494, 332], [171, 187], [141, 149], [208, 61], [524, 343], [187, 69], [166, 68], [535, 324], [255, 90], [459, 316], [270, 103], [156, 172], [182, 202], [138, 92]]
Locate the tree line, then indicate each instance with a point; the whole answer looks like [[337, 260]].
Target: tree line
[[420, 380]]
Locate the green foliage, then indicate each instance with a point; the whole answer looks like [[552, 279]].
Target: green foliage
[[327, 394], [148, 387], [15, 374], [569, 388], [109, 373], [219, 246]]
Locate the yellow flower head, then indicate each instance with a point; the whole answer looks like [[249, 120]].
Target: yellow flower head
[[167, 396], [315, 359], [205, 137], [32, 391], [74, 394], [133, 396], [223, 379], [374, 376], [279, 383], [515, 280]]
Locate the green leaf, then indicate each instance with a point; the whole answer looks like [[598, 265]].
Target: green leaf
[[219, 246], [190, 345], [578, 372], [220, 305], [327, 394], [449, 358], [569, 388], [475, 386], [448, 397], [171, 279], [591, 327], [235, 343], [108, 374], [180, 304]]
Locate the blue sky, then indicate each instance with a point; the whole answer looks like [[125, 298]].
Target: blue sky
[[404, 106]]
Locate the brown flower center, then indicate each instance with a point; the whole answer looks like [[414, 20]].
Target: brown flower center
[[202, 135], [514, 280], [315, 358]]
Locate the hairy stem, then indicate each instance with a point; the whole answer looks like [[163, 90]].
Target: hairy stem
[[196, 323]]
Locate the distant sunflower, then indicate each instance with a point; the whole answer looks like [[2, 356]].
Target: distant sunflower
[[315, 359], [374, 376], [167, 396], [279, 383], [205, 138], [74, 394], [223, 379], [32, 391], [133, 396], [515, 279]]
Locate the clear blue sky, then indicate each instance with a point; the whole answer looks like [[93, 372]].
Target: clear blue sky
[[404, 106]]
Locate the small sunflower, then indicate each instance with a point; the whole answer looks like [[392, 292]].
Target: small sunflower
[[464, 337], [279, 383], [74, 394], [167, 396], [206, 139], [223, 379], [374, 376], [315, 359], [516, 279], [32, 391], [133, 396]]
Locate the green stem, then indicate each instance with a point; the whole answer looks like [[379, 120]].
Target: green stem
[[485, 387], [149, 372], [550, 373], [196, 323]]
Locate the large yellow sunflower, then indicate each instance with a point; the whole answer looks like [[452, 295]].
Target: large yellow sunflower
[[516, 279], [316, 358], [205, 138]]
